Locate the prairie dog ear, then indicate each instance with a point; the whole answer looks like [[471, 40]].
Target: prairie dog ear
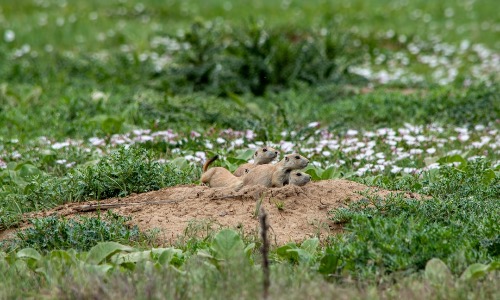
[[286, 158], [256, 153]]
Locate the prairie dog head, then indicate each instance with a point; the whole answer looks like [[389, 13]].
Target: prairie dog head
[[294, 161], [299, 178], [265, 155]]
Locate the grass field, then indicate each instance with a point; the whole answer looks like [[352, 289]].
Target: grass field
[[106, 98]]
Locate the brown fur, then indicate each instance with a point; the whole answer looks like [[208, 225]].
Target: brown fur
[[299, 178], [275, 175], [262, 156], [219, 177]]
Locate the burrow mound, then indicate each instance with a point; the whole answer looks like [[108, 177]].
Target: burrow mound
[[294, 213]]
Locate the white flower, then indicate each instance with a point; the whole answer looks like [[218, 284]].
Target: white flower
[[463, 137], [409, 170], [433, 166], [209, 145], [286, 146], [60, 145], [238, 142], [431, 150], [351, 132], [416, 151], [396, 169], [9, 36], [313, 124], [249, 135], [95, 141], [98, 95], [316, 163], [220, 140]]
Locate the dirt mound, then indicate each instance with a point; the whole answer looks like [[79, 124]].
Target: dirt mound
[[295, 213]]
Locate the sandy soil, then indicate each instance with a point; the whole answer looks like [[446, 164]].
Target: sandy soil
[[304, 210]]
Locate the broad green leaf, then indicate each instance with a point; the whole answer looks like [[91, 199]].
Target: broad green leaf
[[227, 244], [284, 253], [27, 171], [165, 255], [204, 253], [101, 251], [494, 266], [235, 161], [330, 173], [488, 176], [231, 167], [28, 253], [245, 155], [301, 255], [452, 159], [474, 271], [61, 255], [248, 249], [315, 172], [310, 245], [134, 257], [101, 269], [436, 271], [180, 163], [328, 263]]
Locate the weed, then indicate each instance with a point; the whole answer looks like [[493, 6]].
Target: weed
[[46, 234], [395, 234], [280, 205]]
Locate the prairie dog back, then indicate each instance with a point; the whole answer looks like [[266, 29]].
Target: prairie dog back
[[219, 177]]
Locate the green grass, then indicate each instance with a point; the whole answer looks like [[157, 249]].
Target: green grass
[[81, 234], [77, 78], [124, 171]]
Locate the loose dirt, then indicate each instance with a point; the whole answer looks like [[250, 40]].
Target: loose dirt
[[294, 213]]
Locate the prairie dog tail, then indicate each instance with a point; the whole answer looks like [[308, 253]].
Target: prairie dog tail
[[208, 162]]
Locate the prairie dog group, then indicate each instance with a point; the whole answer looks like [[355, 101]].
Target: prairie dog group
[[261, 156], [260, 172], [275, 175]]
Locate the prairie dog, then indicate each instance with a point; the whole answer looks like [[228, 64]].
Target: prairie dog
[[261, 156], [299, 178], [275, 175], [219, 177]]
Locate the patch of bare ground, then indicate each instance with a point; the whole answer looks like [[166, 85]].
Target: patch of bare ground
[[294, 213]]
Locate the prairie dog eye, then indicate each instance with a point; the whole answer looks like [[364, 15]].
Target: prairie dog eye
[[297, 157], [276, 152], [299, 174], [264, 150]]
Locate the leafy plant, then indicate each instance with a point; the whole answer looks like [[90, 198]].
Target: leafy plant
[[397, 234], [225, 247], [52, 233], [254, 59]]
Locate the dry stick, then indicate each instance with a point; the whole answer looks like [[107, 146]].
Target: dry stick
[[265, 251], [92, 207]]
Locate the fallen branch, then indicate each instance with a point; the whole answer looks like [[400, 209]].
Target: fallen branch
[[99, 206]]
